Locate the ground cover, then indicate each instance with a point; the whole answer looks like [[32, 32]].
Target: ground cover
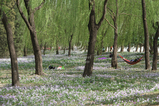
[[129, 85]]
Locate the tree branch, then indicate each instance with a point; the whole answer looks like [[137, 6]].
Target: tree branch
[[23, 16], [104, 13], [128, 14], [111, 11], [37, 8], [110, 24]]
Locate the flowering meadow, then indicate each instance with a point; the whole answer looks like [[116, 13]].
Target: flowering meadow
[[129, 85]]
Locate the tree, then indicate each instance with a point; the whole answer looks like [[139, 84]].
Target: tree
[[146, 33], [13, 56], [155, 54], [69, 48], [114, 18], [31, 26], [93, 29]]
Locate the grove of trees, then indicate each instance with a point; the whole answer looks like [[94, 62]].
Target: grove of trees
[[27, 26]]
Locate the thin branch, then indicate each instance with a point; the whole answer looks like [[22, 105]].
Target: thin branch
[[111, 15], [128, 14], [111, 11], [117, 8], [110, 24], [37, 8], [104, 13], [23, 16]]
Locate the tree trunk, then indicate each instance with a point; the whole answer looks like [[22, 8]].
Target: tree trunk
[[98, 52], [155, 49], [122, 48], [25, 51], [72, 48], [44, 49], [147, 60], [93, 28], [114, 57], [41, 46], [101, 45], [129, 47], [70, 41], [85, 49], [13, 56], [90, 55], [37, 54], [64, 50], [151, 43], [140, 48], [57, 48], [137, 46]]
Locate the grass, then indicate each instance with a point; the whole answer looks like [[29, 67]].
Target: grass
[[129, 85]]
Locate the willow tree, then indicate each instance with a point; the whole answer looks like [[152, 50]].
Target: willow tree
[[93, 29], [43, 24], [71, 21], [82, 31], [155, 25], [146, 33], [9, 31], [155, 49], [114, 16], [31, 26]]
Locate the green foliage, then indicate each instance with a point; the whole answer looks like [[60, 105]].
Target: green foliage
[[57, 20], [7, 6]]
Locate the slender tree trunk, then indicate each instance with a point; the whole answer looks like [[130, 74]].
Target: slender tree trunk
[[109, 49], [93, 28], [70, 41], [44, 49], [106, 49], [25, 51], [41, 46], [72, 48], [85, 49], [64, 50], [137, 46], [147, 60], [13, 56], [155, 49], [122, 48], [129, 47], [98, 52], [114, 57], [101, 45], [57, 48], [140, 48], [151, 44]]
